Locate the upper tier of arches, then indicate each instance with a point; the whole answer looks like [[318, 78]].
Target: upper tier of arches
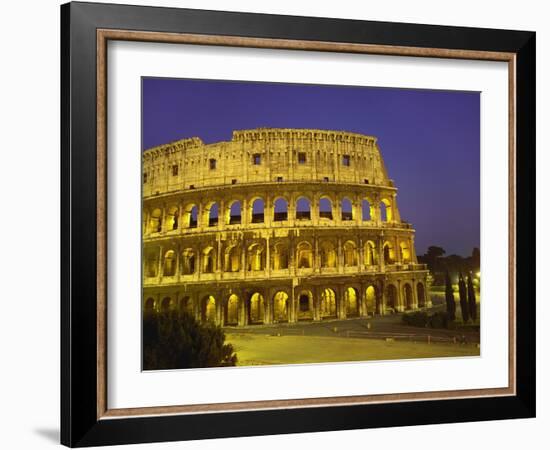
[[286, 209]]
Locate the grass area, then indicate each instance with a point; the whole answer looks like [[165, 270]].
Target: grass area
[[256, 349]]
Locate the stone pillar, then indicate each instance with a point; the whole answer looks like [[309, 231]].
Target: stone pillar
[[316, 256], [146, 224], [340, 264], [160, 263], [268, 211], [400, 307], [412, 250], [314, 210], [241, 322], [163, 218], [375, 209], [243, 259], [380, 300], [399, 256], [267, 256], [357, 209], [361, 255], [292, 316], [363, 301], [381, 261], [219, 310], [414, 295], [221, 214], [395, 210], [198, 264], [218, 267], [244, 212], [177, 273]]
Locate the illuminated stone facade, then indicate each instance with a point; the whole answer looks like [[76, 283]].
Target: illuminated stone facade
[[276, 225]]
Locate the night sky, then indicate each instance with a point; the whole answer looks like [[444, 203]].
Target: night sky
[[429, 139]]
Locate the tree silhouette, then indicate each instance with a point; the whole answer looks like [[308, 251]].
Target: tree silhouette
[[463, 298], [449, 297], [472, 299]]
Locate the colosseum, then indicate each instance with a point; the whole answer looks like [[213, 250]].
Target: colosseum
[[273, 226]]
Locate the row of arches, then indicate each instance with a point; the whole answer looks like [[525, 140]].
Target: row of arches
[[171, 218], [254, 308], [236, 257]]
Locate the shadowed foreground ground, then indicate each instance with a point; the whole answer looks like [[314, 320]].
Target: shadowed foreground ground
[[258, 349]]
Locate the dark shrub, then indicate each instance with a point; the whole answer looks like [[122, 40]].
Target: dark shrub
[[416, 319], [178, 341], [439, 320]]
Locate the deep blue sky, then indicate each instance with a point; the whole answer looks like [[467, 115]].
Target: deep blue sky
[[429, 139]]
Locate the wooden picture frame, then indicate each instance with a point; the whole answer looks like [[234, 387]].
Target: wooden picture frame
[[86, 419]]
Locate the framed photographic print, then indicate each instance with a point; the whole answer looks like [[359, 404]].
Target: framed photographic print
[[276, 224]]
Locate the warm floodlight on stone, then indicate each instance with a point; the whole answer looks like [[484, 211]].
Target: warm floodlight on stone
[[276, 225]]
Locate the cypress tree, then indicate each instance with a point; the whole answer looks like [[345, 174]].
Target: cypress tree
[[449, 297], [462, 293], [472, 299]]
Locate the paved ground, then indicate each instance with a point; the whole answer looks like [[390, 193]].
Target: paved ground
[[379, 327], [257, 349]]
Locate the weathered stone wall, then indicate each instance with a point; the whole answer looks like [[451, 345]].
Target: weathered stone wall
[[289, 155], [306, 214]]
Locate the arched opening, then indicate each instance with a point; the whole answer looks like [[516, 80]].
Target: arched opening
[[389, 254], [370, 300], [328, 254], [304, 255], [385, 210], [255, 257], [370, 254], [280, 307], [188, 262], [151, 265], [212, 212], [185, 305], [280, 210], [350, 254], [232, 310], [166, 305], [172, 217], [366, 212], [169, 267], [305, 305], [256, 308], [351, 302], [190, 215], [408, 294], [208, 260], [328, 304], [234, 213], [405, 252], [421, 295], [258, 211], [155, 221], [232, 259], [303, 209], [149, 306], [208, 309], [280, 257], [391, 297], [347, 209], [325, 208]]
